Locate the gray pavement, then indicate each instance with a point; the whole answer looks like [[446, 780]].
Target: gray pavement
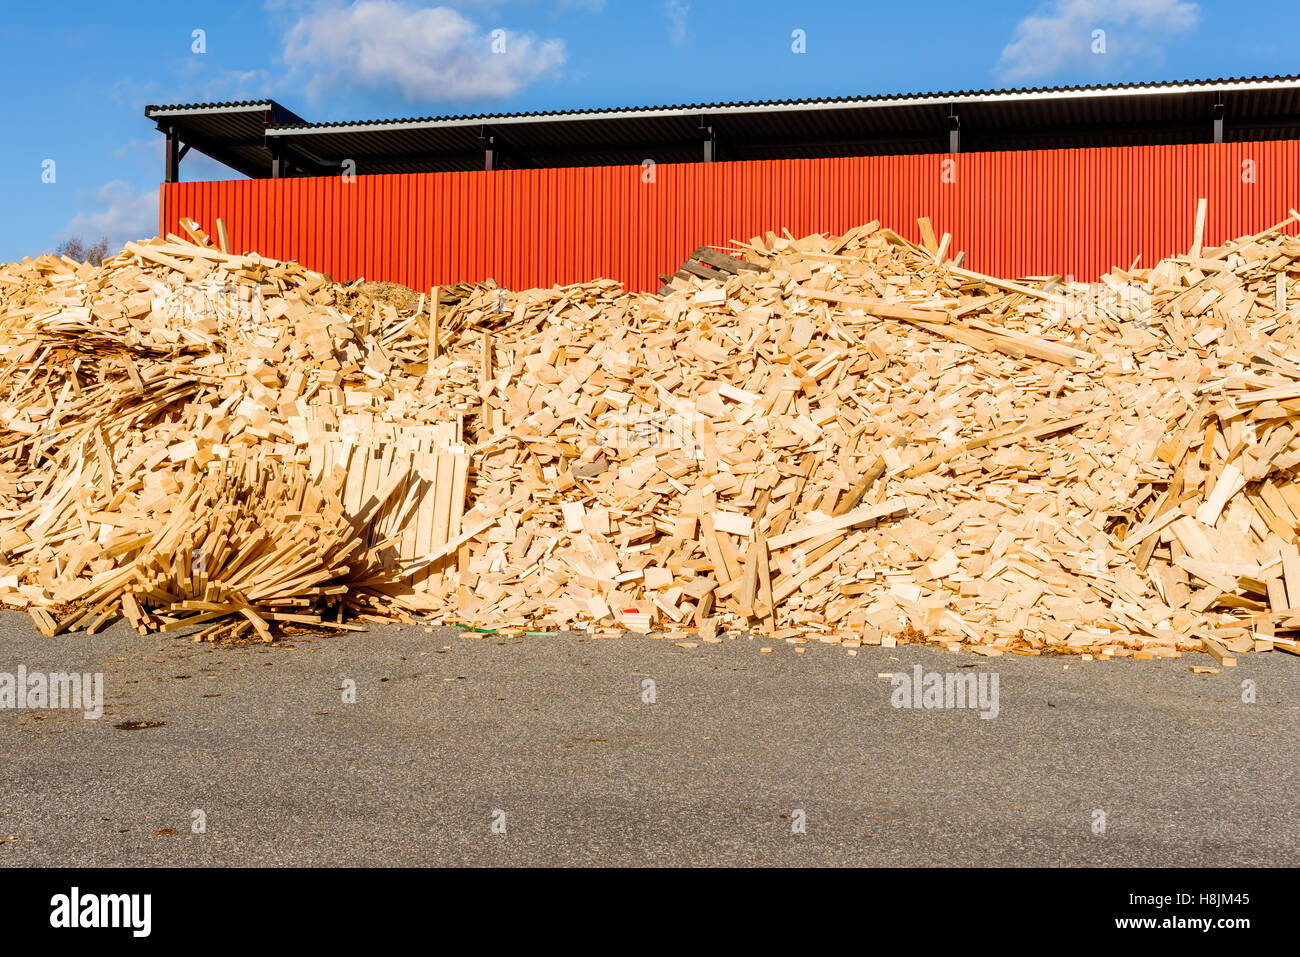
[[556, 733]]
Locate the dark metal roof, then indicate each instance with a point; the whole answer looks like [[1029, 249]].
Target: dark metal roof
[[1254, 108], [1054, 92], [232, 133]]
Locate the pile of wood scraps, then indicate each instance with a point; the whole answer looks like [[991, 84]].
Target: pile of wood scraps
[[187, 436], [851, 439]]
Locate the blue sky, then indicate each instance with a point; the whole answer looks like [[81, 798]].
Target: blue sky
[[79, 74]]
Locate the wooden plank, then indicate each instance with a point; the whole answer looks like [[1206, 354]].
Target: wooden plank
[[861, 487], [858, 516], [1219, 653], [749, 582], [1291, 572], [928, 242], [435, 309], [1198, 231]]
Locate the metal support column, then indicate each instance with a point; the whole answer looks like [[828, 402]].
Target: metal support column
[[1218, 119], [710, 140], [954, 130], [172, 170], [491, 149]]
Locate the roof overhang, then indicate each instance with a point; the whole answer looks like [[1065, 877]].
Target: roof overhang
[[1086, 116], [230, 133]]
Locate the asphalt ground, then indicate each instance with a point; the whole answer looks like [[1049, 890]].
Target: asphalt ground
[[478, 750]]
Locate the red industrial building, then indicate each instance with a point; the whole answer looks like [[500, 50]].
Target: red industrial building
[[1068, 180]]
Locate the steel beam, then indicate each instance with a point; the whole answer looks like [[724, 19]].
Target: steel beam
[[491, 149], [172, 162], [710, 139]]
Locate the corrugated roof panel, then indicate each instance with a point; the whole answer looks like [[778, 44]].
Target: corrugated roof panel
[[1057, 93], [152, 110]]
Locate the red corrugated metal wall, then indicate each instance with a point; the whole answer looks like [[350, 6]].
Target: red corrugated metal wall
[[1077, 211]]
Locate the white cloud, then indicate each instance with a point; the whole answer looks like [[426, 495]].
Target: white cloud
[[677, 11], [1058, 36], [118, 212], [421, 52]]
